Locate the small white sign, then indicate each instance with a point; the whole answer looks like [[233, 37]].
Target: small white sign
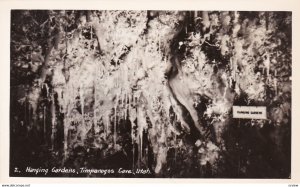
[[249, 112]]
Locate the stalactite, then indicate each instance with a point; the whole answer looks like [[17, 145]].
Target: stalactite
[[66, 103], [275, 86], [141, 123], [267, 65], [237, 83], [125, 105], [66, 132], [121, 106], [205, 20], [95, 110], [233, 65], [175, 148], [106, 123], [25, 109], [133, 156], [132, 117], [53, 132], [95, 117], [183, 96], [146, 156], [115, 120], [186, 29], [44, 124], [159, 49], [47, 89], [267, 20], [81, 92]]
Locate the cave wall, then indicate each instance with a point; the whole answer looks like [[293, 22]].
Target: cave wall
[[151, 89]]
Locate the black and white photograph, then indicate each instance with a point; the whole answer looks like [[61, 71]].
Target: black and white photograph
[[150, 94]]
